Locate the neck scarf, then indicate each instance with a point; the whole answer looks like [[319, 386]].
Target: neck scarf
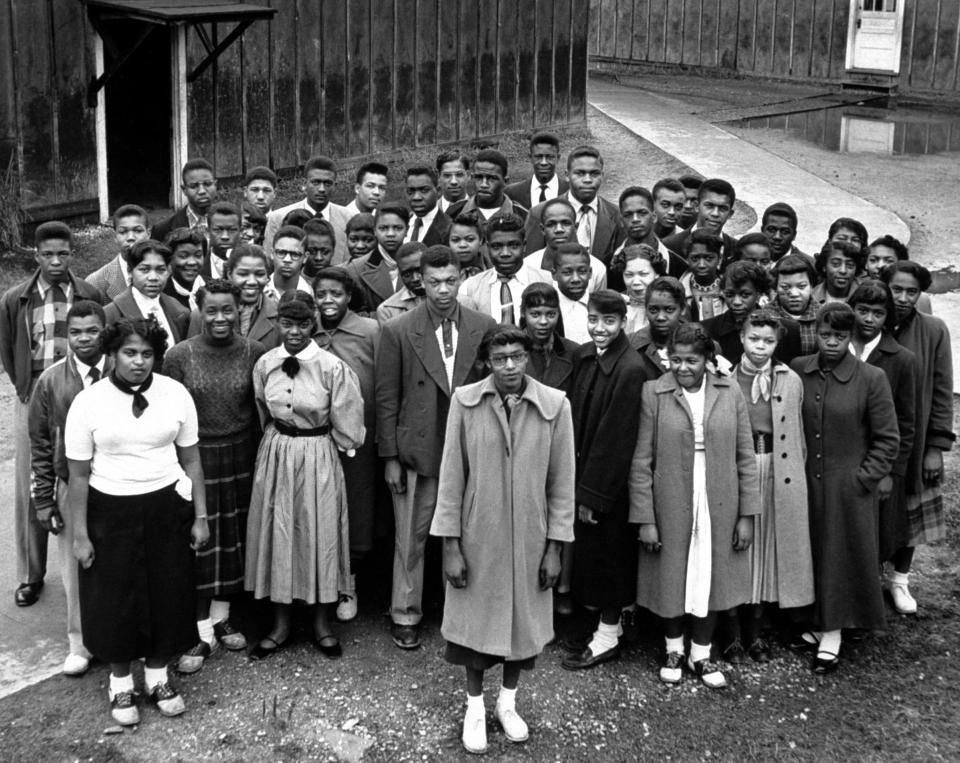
[[290, 366], [762, 379], [140, 403]]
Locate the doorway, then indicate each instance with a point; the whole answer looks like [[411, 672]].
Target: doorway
[[874, 36], [138, 109]]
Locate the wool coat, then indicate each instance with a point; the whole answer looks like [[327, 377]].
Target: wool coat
[[605, 397], [661, 491], [506, 488], [559, 373], [850, 426]]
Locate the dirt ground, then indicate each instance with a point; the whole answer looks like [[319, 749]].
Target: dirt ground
[[893, 698]]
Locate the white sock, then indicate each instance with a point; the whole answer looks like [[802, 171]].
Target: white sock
[[675, 645], [219, 611], [699, 651], [153, 677], [205, 628], [604, 638], [899, 578], [118, 685], [507, 700], [475, 705], [830, 643]]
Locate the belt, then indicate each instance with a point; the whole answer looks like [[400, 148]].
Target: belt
[[290, 431], [762, 442]]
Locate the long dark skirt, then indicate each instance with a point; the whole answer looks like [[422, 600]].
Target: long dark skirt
[[138, 599], [893, 525], [228, 477], [605, 559]]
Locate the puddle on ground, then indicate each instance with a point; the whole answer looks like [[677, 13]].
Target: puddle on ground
[[945, 281], [865, 129]]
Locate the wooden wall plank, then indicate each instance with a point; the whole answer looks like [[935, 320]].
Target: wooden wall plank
[[313, 61], [507, 49], [544, 33], [709, 26], [201, 101], [691, 49], [728, 27], [255, 47], [838, 45], [447, 112], [467, 118], [334, 40], [608, 27], [426, 73], [763, 61], [578, 77], [229, 94], [77, 159], [641, 30], [527, 63], [404, 123], [746, 34], [624, 41], [487, 77], [658, 30], [674, 31], [284, 151], [946, 48], [802, 33], [371, 107], [783, 28], [561, 59], [822, 35], [596, 26], [32, 33]]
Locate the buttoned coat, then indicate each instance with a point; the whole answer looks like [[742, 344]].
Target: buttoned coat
[[506, 488], [412, 391], [661, 491], [850, 425]]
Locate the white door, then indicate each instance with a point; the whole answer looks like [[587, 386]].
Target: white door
[[874, 36]]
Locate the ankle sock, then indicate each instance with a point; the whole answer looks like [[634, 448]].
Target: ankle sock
[[120, 684], [219, 611], [830, 644], [475, 705], [205, 629], [153, 677], [604, 638], [507, 699], [699, 651], [675, 645], [898, 578]]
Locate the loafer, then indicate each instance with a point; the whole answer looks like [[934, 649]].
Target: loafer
[[759, 650], [75, 665], [406, 636], [192, 660], [332, 649], [260, 652], [474, 736], [230, 637], [587, 659], [672, 670], [825, 662], [123, 708], [167, 700], [27, 594], [708, 672], [734, 653], [514, 727]]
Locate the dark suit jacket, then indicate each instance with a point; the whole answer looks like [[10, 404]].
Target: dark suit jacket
[[413, 396], [609, 233], [176, 314], [725, 332], [373, 278], [163, 228], [677, 243], [439, 230], [520, 192]]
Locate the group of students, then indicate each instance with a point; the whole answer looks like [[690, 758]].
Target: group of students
[[594, 405]]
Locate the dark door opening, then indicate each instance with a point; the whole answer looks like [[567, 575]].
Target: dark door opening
[[139, 118]]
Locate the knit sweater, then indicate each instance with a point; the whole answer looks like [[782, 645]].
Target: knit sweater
[[220, 380]]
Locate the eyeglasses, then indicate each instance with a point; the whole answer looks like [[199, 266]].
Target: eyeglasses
[[500, 361], [285, 254]]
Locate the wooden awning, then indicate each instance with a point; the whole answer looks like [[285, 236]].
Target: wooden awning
[[194, 13]]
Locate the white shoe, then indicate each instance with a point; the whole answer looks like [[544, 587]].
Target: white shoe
[[475, 733], [123, 708], [168, 701], [514, 727], [709, 673], [75, 665], [903, 602], [347, 607], [672, 670]]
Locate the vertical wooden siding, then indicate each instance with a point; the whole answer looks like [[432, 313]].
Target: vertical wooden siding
[[353, 77], [46, 131], [794, 39]]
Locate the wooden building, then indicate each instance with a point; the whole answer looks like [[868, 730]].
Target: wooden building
[[908, 46], [101, 101]]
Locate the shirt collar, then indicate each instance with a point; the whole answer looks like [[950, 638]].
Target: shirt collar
[[43, 286], [83, 369], [553, 188], [565, 300], [311, 351], [594, 204], [436, 317], [387, 259], [145, 303], [194, 220], [324, 213], [868, 348]]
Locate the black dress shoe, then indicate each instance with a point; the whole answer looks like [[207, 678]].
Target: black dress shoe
[[759, 650], [800, 644], [331, 648], [27, 594], [260, 651], [734, 653], [405, 636], [587, 659]]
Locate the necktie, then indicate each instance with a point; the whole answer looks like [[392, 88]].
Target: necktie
[[94, 375], [543, 194], [509, 403], [506, 301], [447, 327], [417, 226], [585, 227]]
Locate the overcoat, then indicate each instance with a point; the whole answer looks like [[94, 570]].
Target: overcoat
[[605, 397], [661, 491], [852, 439], [559, 373], [506, 488]]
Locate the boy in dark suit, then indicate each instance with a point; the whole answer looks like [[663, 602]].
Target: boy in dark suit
[[490, 176], [430, 225], [423, 356], [545, 183], [199, 185]]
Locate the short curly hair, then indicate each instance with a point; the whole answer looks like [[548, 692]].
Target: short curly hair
[[148, 329]]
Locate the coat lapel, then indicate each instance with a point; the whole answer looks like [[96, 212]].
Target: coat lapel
[[425, 346], [468, 342], [377, 277]]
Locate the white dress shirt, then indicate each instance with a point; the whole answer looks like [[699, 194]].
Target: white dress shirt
[[84, 370], [426, 222], [553, 189], [867, 348], [574, 314], [598, 271], [271, 289], [150, 307], [448, 363]]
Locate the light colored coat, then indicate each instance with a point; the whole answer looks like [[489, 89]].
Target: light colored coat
[[506, 488], [661, 491]]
